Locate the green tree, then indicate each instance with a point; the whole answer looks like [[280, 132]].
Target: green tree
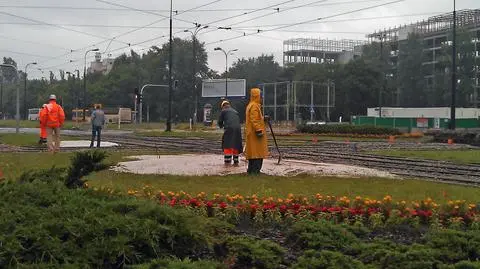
[[357, 86], [410, 76], [7, 72]]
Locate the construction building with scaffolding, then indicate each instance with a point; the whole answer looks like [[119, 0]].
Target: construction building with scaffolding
[[436, 32], [308, 50]]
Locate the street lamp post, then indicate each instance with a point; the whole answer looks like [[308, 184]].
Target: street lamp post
[[170, 66], [381, 37], [1, 96], [17, 115], [226, 67], [25, 90], [198, 28], [454, 70], [76, 93], [85, 83]]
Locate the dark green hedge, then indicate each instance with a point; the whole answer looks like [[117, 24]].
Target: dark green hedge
[[460, 137], [347, 129]]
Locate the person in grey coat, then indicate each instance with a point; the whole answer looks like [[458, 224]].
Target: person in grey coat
[[232, 136], [98, 120]]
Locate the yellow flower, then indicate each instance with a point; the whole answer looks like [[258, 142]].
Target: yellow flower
[[358, 198], [450, 202], [456, 207], [280, 200], [472, 205]]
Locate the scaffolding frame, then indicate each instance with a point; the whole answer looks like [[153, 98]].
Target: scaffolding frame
[[466, 18], [434, 31], [321, 50], [317, 98]]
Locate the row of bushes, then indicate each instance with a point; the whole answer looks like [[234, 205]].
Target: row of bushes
[[460, 137], [46, 225], [347, 129]]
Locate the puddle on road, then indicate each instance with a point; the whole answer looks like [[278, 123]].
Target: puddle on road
[[210, 164]]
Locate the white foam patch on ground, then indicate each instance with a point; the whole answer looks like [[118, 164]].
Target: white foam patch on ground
[[209, 164], [85, 144]]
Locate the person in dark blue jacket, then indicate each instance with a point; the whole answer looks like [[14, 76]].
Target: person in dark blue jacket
[[232, 146]]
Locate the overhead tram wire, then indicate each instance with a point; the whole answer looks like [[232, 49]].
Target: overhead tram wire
[[256, 33], [210, 23], [252, 27], [155, 10], [60, 27], [279, 28], [246, 27], [32, 42], [251, 12], [24, 53], [308, 21], [153, 13], [228, 18], [278, 10], [55, 25], [131, 31]]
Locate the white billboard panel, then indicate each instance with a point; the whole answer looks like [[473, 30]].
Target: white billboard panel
[[216, 88]]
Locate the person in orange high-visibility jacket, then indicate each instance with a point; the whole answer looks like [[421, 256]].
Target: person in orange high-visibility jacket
[[43, 127], [256, 148], [54, 119]]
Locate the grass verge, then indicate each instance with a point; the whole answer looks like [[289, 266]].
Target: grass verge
[[14, 164], [25, 140], [457, 156], [35, 124], [375, 188]]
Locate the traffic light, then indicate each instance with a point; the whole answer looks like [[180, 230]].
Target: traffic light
[[138, 96], [175, 84]]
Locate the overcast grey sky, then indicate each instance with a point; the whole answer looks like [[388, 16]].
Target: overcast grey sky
[[47, 30]]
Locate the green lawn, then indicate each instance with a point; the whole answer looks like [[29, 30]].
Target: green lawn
[[19, 139], [35, 124], [281, 186], [458, 156], [25, 139], [180, 134], [14, 164]]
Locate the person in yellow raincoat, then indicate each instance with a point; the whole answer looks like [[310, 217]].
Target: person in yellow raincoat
[[256, 148]]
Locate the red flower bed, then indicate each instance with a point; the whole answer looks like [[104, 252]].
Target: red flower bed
[[341, 209]]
